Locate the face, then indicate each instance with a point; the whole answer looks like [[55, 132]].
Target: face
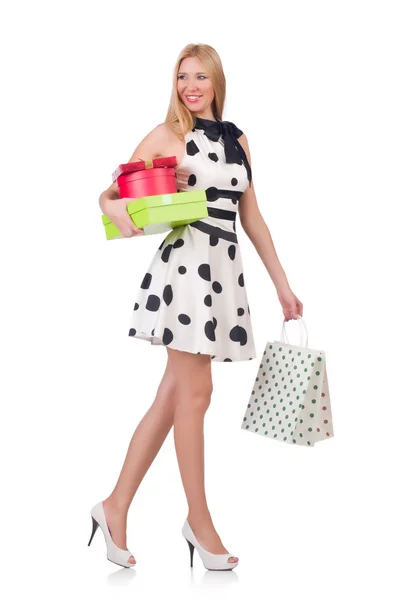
[[195, 88]]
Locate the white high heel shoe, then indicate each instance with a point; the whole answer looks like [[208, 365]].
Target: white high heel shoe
[[212, 562], [116, 555]]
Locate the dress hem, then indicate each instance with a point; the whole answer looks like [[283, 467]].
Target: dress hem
[[156, 341]]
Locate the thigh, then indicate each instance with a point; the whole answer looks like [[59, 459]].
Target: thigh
[[190, 372]]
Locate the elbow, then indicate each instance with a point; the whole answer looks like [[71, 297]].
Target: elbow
[[250, 220]]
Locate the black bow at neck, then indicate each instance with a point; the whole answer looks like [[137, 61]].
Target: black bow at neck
[[234, 152]]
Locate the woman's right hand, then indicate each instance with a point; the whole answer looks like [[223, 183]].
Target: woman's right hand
[[117, 212]]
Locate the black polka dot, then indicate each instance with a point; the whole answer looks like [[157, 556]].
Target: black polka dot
[[152, 331], [191, 148], [182, 270], [234, 181], [232, 252], [162, 244], [249, 311], [208, 300], [166, 253], [136, 306], [215, 322], [168, 295], [240, 312], [213, 156], [234, 200], [227, 360], [234, 225], [179, 243], [214, 240], [192, 179], [213, 356], [209, 330], [212, 194], [147, 280], [132, 332], [238, 334], [184, 319], [241, 280], [216, 286], [167, 336], [204, 271], [153, 303]]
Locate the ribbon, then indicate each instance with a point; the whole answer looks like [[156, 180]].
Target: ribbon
[[234, 152]]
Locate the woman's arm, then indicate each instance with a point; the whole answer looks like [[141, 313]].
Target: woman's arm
[[256, 229], [153, 144]]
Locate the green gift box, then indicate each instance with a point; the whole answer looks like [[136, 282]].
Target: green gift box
[[161, 213]]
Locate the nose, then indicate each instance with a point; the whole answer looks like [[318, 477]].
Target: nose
[[191, 86]]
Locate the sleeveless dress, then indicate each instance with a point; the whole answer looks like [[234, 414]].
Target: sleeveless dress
[[193, 296]]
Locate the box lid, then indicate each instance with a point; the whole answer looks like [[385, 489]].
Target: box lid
[[162, 200], [146, 174], [128, 168], [155, 163]]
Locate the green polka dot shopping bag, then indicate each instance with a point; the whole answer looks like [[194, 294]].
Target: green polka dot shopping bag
[[290, 400]]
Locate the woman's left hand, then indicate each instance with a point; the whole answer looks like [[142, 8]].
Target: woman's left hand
[[292, 307]]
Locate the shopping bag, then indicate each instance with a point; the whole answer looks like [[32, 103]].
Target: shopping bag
[[290, 400]]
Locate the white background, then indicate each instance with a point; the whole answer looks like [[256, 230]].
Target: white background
[[313, 86]]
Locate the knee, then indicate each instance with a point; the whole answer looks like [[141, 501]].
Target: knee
[[197, 399]]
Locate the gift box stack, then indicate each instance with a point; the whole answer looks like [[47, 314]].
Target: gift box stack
[[157, 206]]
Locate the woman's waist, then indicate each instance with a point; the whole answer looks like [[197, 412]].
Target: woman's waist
[[223, 216], [219, 223]]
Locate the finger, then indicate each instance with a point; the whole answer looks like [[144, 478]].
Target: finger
[[127, 233], [126, 224], [125, 227], [131, 230], [137, 230], [128, 219]]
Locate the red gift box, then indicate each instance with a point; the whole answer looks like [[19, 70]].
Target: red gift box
[[150, 178], [140, 178]]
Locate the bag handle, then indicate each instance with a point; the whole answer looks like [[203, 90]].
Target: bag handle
[[302, 328]]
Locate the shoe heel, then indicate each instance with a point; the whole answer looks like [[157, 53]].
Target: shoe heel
[[211, 561], [191, 547], [94, 528]]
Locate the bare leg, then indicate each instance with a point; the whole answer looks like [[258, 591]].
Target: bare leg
[[143, 448], [193, 395]]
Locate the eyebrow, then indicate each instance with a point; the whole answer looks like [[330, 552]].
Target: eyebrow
[[199, 73]]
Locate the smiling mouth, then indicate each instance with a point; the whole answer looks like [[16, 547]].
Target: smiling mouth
[[192, 98]]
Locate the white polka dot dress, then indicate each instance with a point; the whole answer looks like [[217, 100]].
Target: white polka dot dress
[[193, 295]]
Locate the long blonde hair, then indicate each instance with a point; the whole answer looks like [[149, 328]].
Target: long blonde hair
[[179, 116]]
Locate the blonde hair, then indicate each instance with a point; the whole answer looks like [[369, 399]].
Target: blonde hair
[[179, 116]]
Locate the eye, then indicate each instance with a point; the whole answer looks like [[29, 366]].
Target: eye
[[200, 76]]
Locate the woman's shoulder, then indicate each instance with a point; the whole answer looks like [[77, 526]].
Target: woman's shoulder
[[169, 131]]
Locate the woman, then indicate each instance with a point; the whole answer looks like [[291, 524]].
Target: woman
[[192, 299]]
